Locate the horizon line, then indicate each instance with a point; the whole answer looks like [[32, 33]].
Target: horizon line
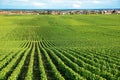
[[54, 9]]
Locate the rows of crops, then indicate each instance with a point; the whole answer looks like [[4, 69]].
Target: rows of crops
[[38, 61], [76, 47]]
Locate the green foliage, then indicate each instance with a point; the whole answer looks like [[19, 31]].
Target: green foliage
[[66, 71], [29, 75], [4, 72], [76, 47], [56, 74], [17, 70], [41, 66]]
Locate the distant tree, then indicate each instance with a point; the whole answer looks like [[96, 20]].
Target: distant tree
[[114, 12]]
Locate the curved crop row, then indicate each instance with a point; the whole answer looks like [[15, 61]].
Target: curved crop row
[[4, 72], [29, 75], [91, 68], [48, 43], [56, 74], [104, 72], [67, 72], [101, 64], [24, 44], [83, 72], [101, 56], [8, 59], [4, 56], [41, 67], [17, 70]]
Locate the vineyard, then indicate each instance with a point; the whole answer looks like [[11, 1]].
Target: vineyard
[[62, 47]]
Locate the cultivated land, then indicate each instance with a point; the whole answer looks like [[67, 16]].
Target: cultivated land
[[69, 47]]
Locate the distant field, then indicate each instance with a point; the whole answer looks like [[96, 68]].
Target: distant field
[[61, 47]]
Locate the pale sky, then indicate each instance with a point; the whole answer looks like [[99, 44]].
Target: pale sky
[[59, 4]]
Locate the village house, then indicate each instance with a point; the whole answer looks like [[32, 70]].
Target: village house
[[54, 12], [107, 12], [118, 11], [16, 12], [59, 12], [64, 12]]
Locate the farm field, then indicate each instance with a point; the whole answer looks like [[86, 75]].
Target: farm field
[[59, 47]]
